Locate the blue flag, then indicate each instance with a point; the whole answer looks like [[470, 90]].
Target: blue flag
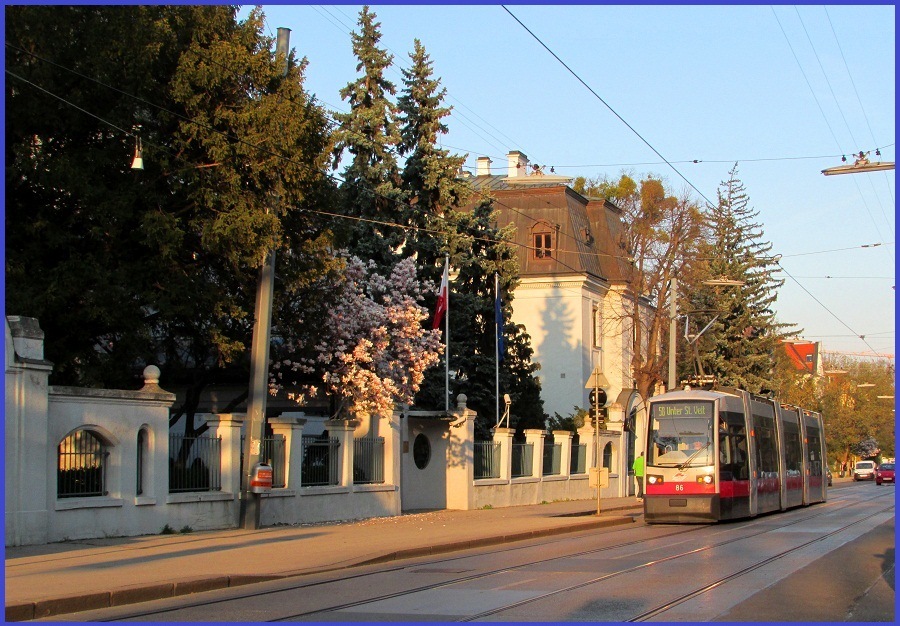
[[498, 320]]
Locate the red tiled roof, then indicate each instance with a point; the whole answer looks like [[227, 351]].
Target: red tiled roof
[[802, 355]]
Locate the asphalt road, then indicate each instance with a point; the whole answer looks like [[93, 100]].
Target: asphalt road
[[829, 562]]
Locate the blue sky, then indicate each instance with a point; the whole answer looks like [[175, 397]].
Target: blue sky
[[784, 91]]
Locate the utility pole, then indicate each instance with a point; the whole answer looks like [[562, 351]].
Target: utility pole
[[259, 361], [673, 316]]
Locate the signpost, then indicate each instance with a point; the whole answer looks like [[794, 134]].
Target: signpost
[[598, 384]]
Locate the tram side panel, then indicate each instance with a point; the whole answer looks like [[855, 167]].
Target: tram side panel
[[792, 471], [764, 435], [734, 459], [815, 449]]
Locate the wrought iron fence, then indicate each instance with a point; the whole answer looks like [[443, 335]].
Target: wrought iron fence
[[321, 461], [195, 463], [579, 458], [272, 452], [368, 460], [81, 466], [552, 459], [487, 459], [522, 459]]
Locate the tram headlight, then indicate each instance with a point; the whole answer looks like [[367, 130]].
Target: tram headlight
[[706, 480], [653, 479]]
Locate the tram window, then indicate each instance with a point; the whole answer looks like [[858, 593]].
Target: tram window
[[766, 448], [733, 459], [681, 432], [793, 448], [814, 449]]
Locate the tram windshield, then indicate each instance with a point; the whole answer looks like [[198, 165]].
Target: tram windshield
[[681, 434]]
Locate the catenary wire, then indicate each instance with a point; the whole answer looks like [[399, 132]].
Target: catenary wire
[[596, 95], [276, 155]]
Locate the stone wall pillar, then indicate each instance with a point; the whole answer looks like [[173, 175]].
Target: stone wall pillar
[[564, 438], [586, 436], [228, 427], [292, 430], [343, 431], [536, 436], [504, 436], [461, 457], [29, 487]]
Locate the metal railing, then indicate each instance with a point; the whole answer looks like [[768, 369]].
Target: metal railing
[[552, 459], [579, 458], [522, 459], [195, 463], [81, 466], [321, 461], [272, 452], [487, 459], [368, 460]]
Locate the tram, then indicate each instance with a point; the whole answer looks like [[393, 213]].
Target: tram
[[727, 454]]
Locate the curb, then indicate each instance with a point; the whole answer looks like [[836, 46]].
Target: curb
[[158, 591]]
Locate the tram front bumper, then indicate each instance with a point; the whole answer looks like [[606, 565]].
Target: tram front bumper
[[682, 509]]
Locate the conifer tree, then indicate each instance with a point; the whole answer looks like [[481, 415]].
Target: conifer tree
[[478, 249], [371, 188], [739, 348], [126, 267], [431, 180]]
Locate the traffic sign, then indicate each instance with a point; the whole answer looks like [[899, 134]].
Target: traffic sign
[[597, 380]]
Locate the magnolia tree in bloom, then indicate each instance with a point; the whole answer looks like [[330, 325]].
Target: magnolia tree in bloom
[[371, 351]]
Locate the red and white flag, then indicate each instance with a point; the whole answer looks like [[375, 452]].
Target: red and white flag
[[443, 295]]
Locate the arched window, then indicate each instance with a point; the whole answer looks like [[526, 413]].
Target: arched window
[[142, 458], [607, 456], [81, 465]]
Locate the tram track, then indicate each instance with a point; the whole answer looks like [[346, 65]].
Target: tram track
[[685, 597], [820, 510], [406, 566]]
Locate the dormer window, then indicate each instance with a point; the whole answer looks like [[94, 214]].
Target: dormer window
[[542, 241], [543, 245]]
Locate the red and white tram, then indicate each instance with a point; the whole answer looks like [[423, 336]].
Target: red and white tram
[[726, 454]]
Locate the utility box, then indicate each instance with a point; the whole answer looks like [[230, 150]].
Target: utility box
[[598, 478], [261, 478]]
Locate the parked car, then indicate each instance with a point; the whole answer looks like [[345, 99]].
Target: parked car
[[828, 475], [864, 470], [884, 473]]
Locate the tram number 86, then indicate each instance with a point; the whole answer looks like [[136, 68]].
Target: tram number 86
[[679, 487]]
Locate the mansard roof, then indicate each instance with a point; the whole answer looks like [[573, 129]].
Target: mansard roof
[[585, 231]]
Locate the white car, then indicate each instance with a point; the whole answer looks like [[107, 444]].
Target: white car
[[864, 470]]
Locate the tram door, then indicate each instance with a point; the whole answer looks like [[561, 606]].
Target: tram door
[[734, 459]]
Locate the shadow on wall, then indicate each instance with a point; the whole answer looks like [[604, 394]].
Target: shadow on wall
[[559, 357]]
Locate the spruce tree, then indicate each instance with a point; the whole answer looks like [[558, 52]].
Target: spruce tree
[[479, 249], [371, 188], [739, 348], [431, 181]]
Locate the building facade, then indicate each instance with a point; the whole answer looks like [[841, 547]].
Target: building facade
[[573, 298]]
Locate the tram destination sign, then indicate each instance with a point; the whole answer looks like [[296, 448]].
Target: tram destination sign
[[683, 409]]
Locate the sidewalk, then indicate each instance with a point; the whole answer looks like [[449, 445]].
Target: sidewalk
[[54, 579]]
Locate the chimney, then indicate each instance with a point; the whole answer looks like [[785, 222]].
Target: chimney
[[483, 166], [518, 164]]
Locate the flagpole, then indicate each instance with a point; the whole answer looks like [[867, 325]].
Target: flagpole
[[447, 338], [497, 344]]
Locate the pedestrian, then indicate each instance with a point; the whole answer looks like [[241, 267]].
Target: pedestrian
[[638, 467]]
